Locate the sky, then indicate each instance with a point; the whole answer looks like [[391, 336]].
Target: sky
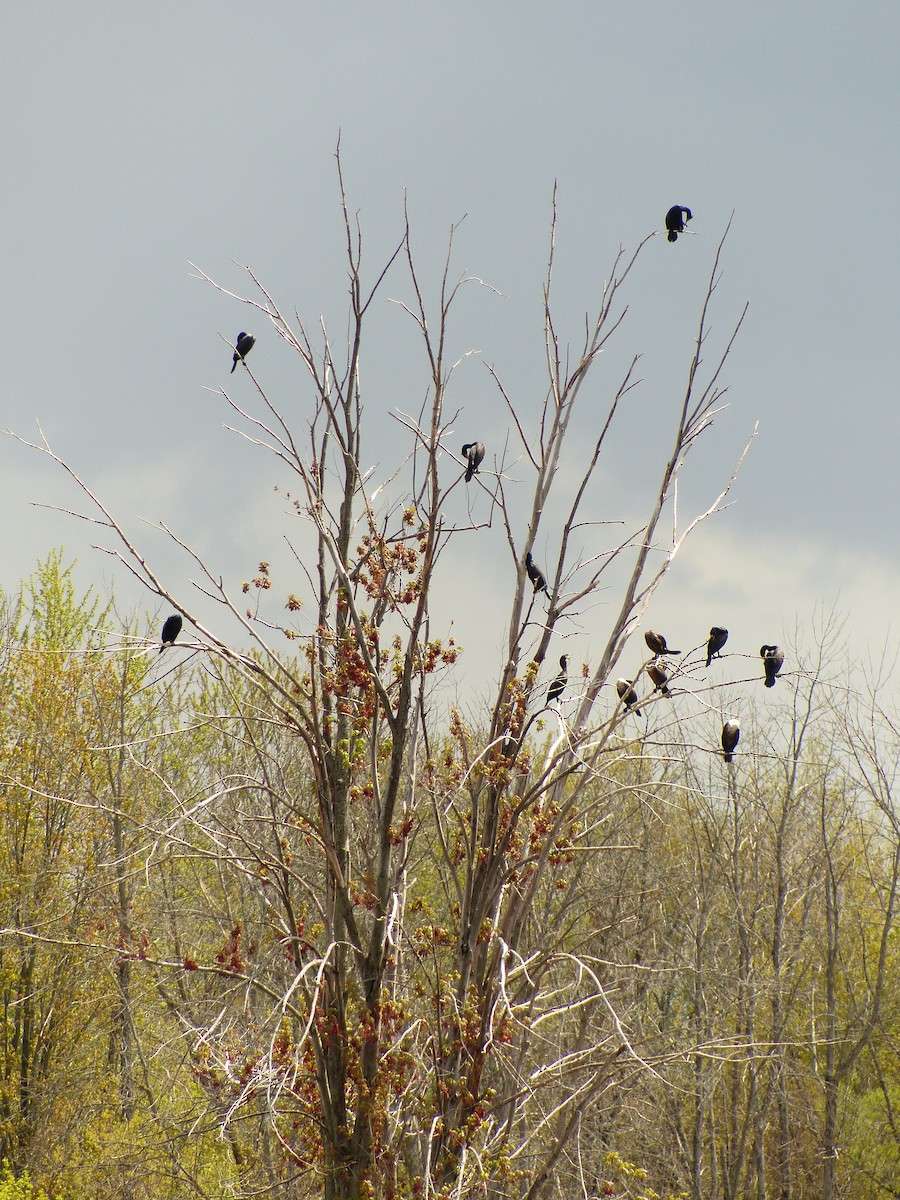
[[141, 138]]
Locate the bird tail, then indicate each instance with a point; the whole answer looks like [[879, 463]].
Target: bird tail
[[673, 236], [470, 471], [729, 758], [233, 365], [770, 682]]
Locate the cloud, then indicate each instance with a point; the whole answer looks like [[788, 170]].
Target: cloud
[[776, 588]]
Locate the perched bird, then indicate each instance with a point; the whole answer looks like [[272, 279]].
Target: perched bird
[[242, 347], [731, 735], [717, 639], [675, 219], [170, 630], [657, 643], [535, 575], [773, 661], [557, 687], [628, 695], [660, 676], [474, 452]]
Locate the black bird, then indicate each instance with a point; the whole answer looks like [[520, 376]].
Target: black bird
[[170, 630], [660, 676], [474, 452], [675, 219], [731, 735], [535, 575], [242, 347], [628, 695], [773, 661], [657, 643], [717, 639], [558, 686]]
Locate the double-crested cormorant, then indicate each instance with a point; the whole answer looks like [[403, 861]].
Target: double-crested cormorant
[[242, 347], [535, 575], [474, 452], [731, 735], [717, 639], [628, 695], [773, 661], [657, 643], [660, 676], [170, 630], [557, 687], [675, 219]]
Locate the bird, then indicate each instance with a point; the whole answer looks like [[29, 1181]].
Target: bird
[[557, 687], [474, 452], [657, 643], [170, 630], [628, 695], [773, 661], [717, 639], [731, 735], [675, 219], [242, 347], [660, 676], [535, 574]]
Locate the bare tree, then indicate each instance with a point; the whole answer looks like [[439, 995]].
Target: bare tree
[[859, 825], [420, 1019]]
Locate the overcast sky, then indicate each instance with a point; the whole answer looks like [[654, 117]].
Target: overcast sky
[[138, 138]]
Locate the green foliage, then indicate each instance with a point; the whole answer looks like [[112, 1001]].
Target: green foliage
[[625, 1179], [55, 617], [20, 1187]]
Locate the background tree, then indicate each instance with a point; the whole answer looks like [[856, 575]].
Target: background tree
[[47, 850]]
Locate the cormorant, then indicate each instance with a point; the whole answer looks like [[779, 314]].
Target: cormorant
[[657, 643], [242, 347], [660, 676], [557, 687], [773, 661], [535, 575], [731, 735], [170, 630], [474, 452], [628, 695], [717, 639], [675, 219]]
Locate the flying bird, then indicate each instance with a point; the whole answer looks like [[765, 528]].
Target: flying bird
[[675, 219], [557, 687], [535, 575], [660, 676], [717, 639], [628, 695], [242, 347], [474, 452], [731, 735], [657, 643], [170, 630], [773, 661]]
